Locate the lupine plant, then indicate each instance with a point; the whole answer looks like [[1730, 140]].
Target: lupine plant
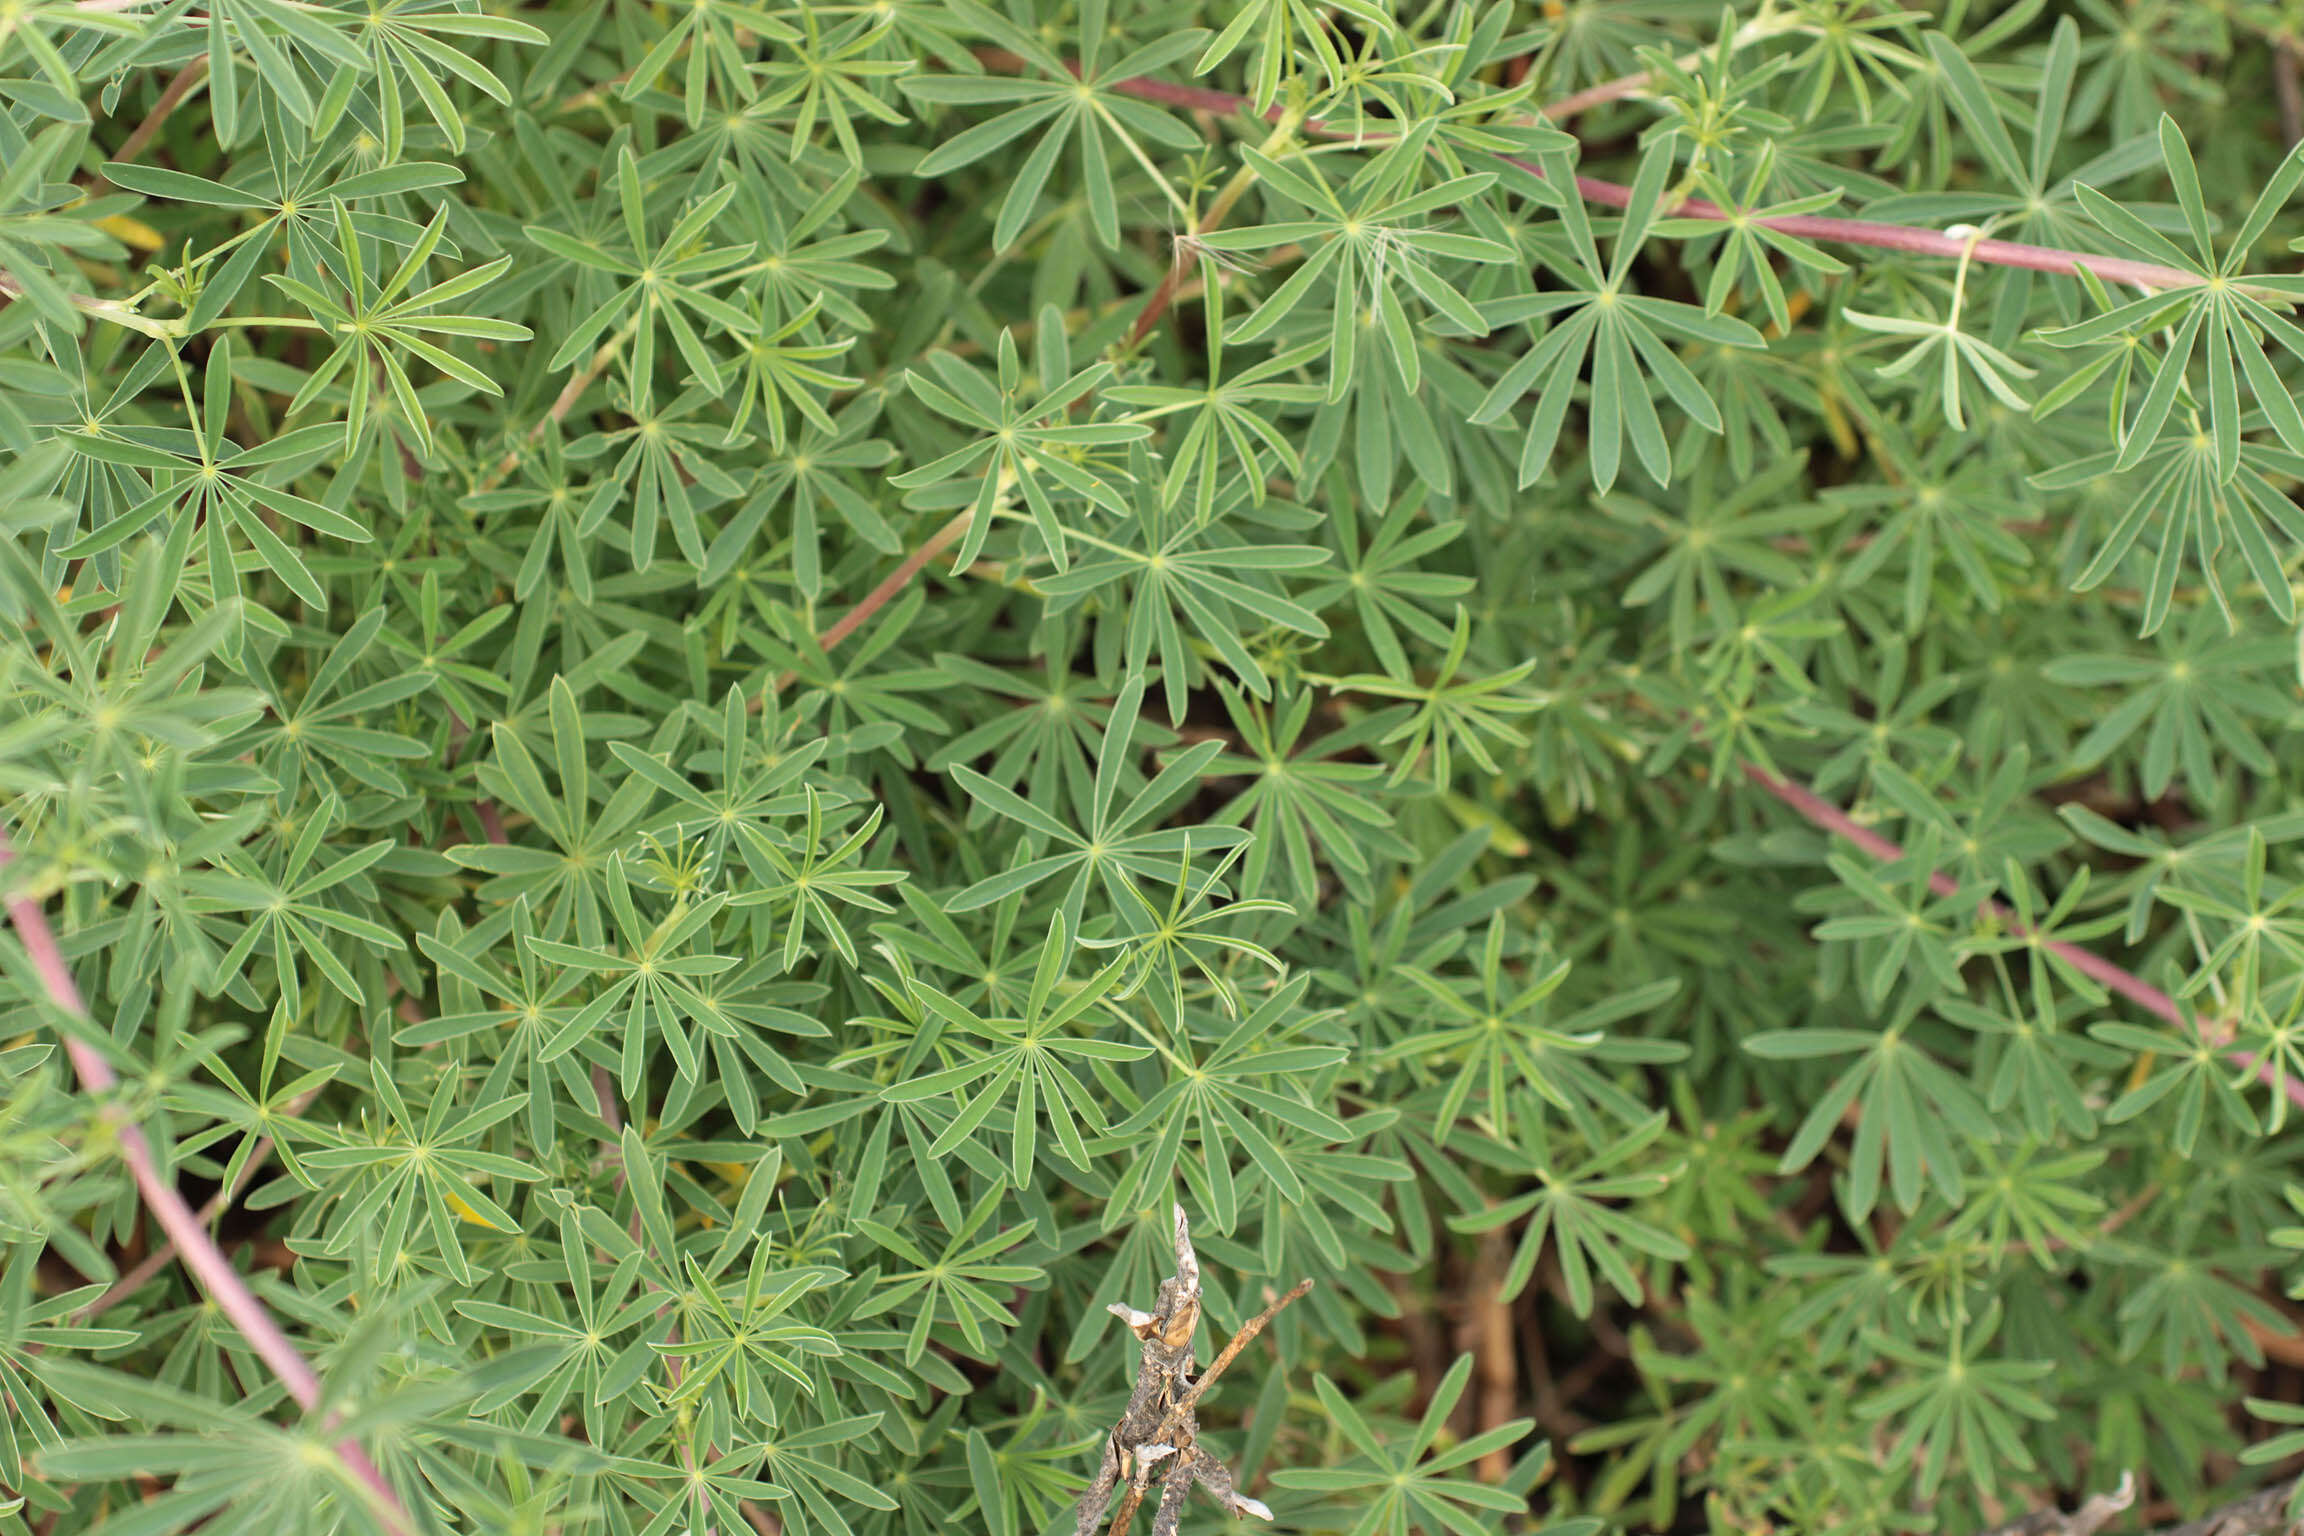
[[711, 707]]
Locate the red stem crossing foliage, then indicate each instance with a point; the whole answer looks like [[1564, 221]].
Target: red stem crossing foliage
[[1890, 237], [193, 1244], [2142, 993]]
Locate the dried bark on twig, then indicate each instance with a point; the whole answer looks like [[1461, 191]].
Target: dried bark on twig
[[2263, 1513], [1156, 1438], [2084, 1521]]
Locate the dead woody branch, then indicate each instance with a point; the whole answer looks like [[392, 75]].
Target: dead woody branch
[[2262, 1513], [1157, 1436]]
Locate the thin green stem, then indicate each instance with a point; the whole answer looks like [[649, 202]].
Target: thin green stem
[[1136, 150], [281, 322]]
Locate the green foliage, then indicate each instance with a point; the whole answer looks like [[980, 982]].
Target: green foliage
[[703, 693]]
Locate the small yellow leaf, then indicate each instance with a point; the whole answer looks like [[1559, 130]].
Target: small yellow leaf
[[471, 1215], [131, 232]]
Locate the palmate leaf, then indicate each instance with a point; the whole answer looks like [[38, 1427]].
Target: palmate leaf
[[801, 890], [2176, 492], [2040, 1065], [584, 1325], [963, 1281], [1369, 240], [290, 921], [854, 696], [297, 193], [1908, 1106], [1960, 358], [2232, 308], [714, 37], [1894, 725], [222, 491], [1230, 1099], [828, 80], [1061, 105], [660, 287], [449, 658], [781, 370], [1383, 575], [807, 258], [644, 984], [2193, 702], [1280, 30], [1510, 1042], [568, 887], [537, 1003], [1193, 933], [1940, 510], [1305, 803], [1031, 446], [2192, 1078], [2194, 1306], [415, 1173], [1598, 319], [2031, 1197], [385, 318], [1961, 1403], [1044, 744], [760, 781], [805, 1465], [816, 474], [1908, 933], [1569, 1211], [1024, 1069], [2254, 934], [1411, 1476], [1224, 419], [1746, 1376], [1639, 917], [1118, 842], [1451, 713], [1712, 536], [746, 1344], [1168, 567], [1749, 246], [415, 47]]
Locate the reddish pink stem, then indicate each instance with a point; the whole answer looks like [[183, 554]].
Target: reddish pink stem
[[2138, 991], [164, 1255], [1916, 241], [1891, 237], [193, 1244]]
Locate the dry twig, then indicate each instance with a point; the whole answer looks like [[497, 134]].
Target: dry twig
[[1157, 1434], [2262, 1513]]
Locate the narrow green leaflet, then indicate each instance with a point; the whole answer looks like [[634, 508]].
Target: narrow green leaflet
[[1597, 321]]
